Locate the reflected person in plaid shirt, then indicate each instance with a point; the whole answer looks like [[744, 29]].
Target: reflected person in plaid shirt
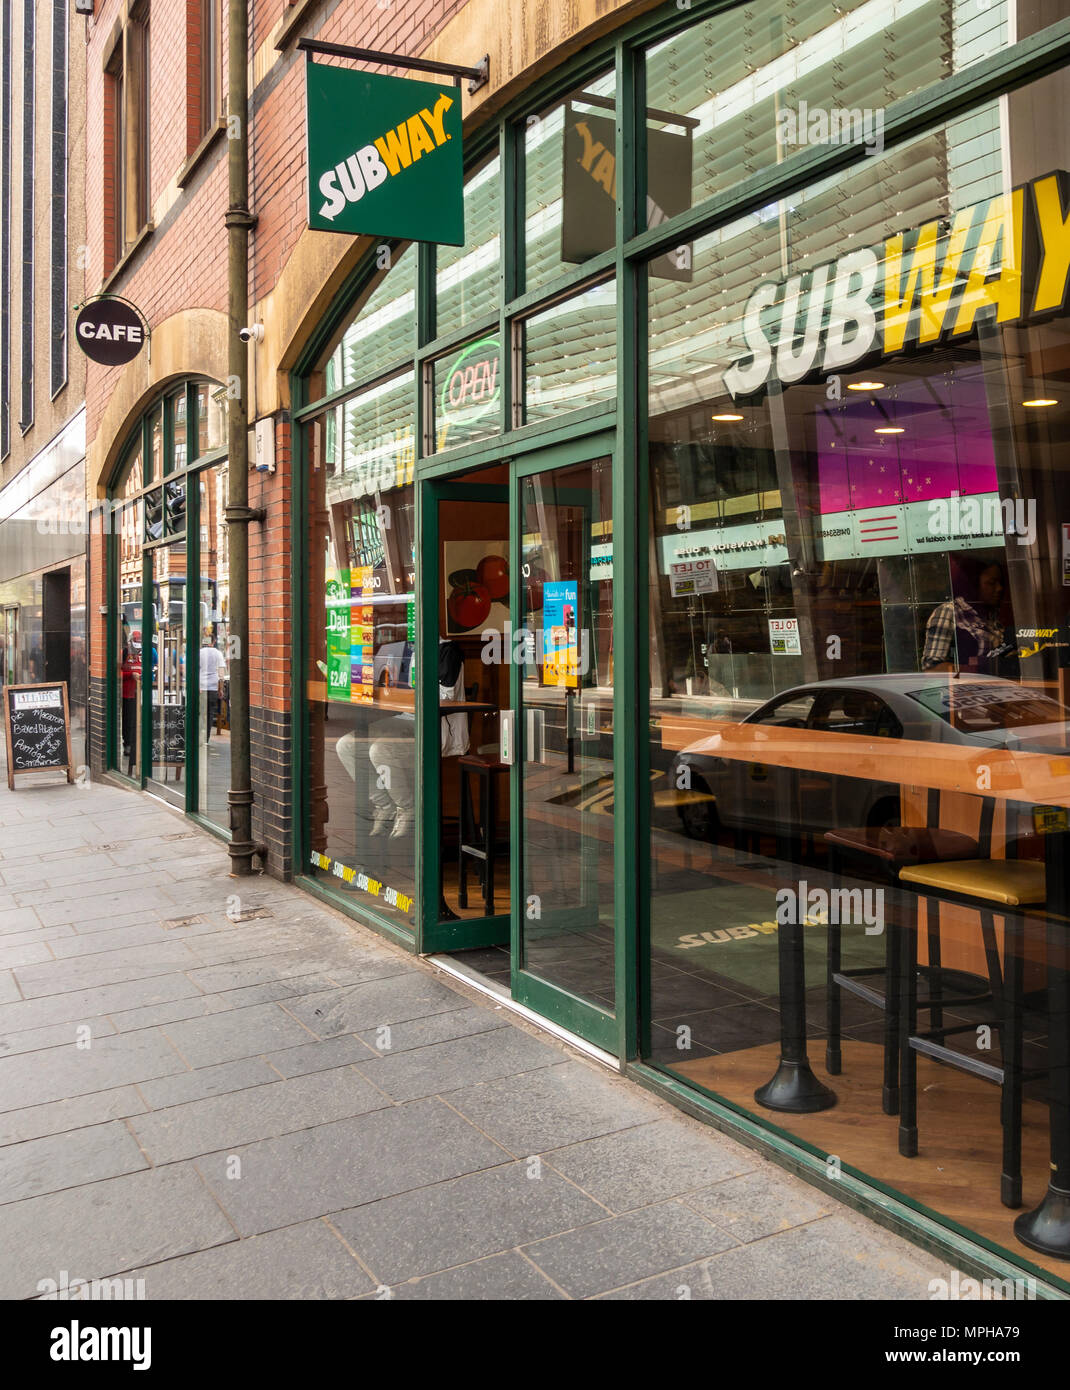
[[968, 636]]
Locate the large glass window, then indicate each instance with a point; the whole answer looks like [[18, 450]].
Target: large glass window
[[211, 418], [569, 158], [720, 109], [213, 673], [128, 527], [156, 460], [361, 638], [168, 691], [164, 516], [381, 334], [570, 354], [466, 388], [467, 278], [857, 609]]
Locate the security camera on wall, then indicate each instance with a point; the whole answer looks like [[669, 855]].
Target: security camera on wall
[[83, 6]]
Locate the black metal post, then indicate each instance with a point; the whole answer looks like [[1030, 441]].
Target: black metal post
[[794, 1087]]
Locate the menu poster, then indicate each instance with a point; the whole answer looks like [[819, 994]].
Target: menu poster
[[37, 729], [560, 634], [362, 635], [338, 638]]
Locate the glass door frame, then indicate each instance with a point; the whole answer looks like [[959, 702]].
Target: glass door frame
[[11, 643], [186, 800], [432, 934], [603, 1028], [578, 1015]]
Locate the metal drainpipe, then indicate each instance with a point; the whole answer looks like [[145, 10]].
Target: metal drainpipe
[[238, 512]]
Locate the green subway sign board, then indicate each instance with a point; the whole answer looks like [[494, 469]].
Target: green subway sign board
[[384, 156]]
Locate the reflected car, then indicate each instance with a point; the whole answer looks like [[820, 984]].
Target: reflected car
[[394, 663], [806, 782]]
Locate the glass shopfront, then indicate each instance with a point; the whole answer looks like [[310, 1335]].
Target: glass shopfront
[[734, 534], [170, 726], [858, 660], [361, 656]]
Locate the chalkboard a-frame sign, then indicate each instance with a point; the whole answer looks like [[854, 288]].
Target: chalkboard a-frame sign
[[37, 726]]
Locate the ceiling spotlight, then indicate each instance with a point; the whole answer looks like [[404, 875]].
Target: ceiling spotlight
[[1041, 400], [726, 416], [889, 429], [865, 385]]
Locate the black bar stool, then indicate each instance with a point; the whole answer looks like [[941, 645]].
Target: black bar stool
[[992, 887], [477, 839], [887, 850]]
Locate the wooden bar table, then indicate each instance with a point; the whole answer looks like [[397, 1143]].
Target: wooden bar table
[[1007, 775]]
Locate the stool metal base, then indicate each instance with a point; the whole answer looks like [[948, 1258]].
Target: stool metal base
[[1047, 1227], [795, 1089]]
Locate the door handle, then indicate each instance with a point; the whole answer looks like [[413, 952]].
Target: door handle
[[535, 749], [507, 737]]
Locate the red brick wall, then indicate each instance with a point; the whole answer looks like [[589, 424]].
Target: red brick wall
[[183, 265], [184, 262], [279, 185]]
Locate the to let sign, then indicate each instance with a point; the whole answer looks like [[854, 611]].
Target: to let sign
[[37, 726], [784, 637], [110, 331], [692, 577], [385, 156]]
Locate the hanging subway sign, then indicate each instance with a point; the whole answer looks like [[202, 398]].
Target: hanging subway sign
[[110, 331], [589, 189], [384, 156], [471, 386], [1002, 260]]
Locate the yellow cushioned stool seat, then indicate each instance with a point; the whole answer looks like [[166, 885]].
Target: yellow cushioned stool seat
[[1010, 882], [997, 887]]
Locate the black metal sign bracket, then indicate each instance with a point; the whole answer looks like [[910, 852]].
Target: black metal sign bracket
[[478, 76]]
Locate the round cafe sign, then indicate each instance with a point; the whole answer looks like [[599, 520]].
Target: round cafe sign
[[110, 331]]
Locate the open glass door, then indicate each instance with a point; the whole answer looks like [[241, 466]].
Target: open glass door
[[464, 686], [562, 702]]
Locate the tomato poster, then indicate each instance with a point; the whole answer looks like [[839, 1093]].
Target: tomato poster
[[560, 633], [476, 582]]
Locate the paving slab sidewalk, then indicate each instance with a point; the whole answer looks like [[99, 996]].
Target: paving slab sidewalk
[[290, 1107]]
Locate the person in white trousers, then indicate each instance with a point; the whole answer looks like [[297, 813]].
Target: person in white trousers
[[392, 751]]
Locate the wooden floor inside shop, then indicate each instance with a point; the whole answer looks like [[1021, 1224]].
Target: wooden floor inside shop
[[956, 1172], [476, 906]]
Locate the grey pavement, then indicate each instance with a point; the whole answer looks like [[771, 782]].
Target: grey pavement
[[207, 1105]]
